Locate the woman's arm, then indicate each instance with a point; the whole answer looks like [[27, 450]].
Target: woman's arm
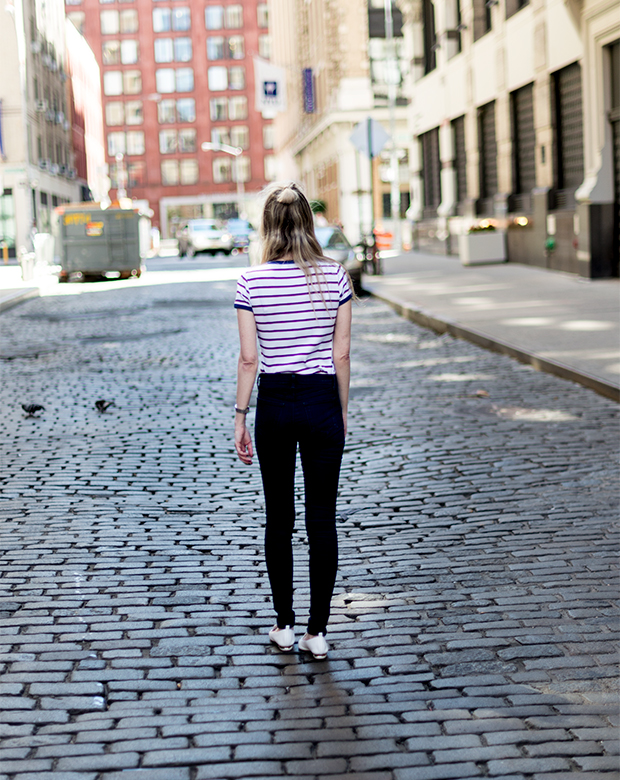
[[341, 348], [246, 374]]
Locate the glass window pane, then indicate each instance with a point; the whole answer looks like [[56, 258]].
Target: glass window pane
[[133, 112], [132, 82], [262, 14], [214, 17], [116, 143], [181, 19], [164, 80], [129, 21], [161, 20], [221, 170], [218, 78], [111, 52], [109, 22], [186, 110], [129, 52], [237, 77], [242, 169], [77, 19], [215, 48], [187, 140], [167, 141], [264, 46], [189, 171], [135, 142], [114, 113], [137, 173], [183, 49], [163, 50], [270, 167], [236, 47], [234, 17], [220, 135], [238, 108], [169, 172], [113, 82], [240, 136], [219, 109], [185, 80], [165, 112], [268, 137]]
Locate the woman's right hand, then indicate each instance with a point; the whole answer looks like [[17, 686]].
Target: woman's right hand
[[243, 443]]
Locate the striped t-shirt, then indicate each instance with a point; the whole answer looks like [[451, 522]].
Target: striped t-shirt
[[293, 336]]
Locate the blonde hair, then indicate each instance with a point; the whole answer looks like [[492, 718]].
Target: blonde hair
[[287, 230]]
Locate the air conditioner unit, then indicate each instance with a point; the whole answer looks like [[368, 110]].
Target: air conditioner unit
[[71, 173], [50, 115], [41, 106], [35, 47], [63, 170], [60, 117], [66, 125], [54, 169], [44, 164], [47, 60], [54, 65]]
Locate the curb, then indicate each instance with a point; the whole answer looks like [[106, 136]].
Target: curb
[[10, 298], [444, 325]]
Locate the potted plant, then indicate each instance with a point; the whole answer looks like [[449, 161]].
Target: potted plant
[[482, 244]]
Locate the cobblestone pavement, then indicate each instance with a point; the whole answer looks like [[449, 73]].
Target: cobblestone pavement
[[473, 632]]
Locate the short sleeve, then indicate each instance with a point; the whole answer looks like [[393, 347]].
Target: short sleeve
[[344, 288], [242, 298]]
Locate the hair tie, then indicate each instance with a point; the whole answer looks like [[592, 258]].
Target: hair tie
[[288, 195]]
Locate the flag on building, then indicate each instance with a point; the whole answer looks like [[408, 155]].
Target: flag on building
[[270, 86]]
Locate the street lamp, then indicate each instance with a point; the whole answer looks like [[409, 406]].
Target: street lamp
[[236, 152]]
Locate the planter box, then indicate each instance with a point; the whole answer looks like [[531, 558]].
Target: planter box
[[482, 247]]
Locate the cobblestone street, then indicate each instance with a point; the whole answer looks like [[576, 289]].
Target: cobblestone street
[[473, 632]]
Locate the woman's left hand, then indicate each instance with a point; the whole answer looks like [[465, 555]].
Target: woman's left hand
[[243, 443]]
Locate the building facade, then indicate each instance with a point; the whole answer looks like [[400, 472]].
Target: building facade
[[511, 126], [176, 74], [37, 171]]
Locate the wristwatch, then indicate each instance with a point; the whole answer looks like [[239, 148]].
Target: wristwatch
[[241, 411]]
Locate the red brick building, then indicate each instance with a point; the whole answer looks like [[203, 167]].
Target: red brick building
[[177, 73]]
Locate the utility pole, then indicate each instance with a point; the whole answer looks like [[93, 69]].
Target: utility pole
[[392, 79]]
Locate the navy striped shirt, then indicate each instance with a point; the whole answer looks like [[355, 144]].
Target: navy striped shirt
[[295, 327]]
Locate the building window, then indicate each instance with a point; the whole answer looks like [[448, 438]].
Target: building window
[[164, 80], [169, 173], [215, 47], [236, 47], [222, 170], [166, 113], [135, 142], [182, 49], [512, 6], [167, 141], [214, 17], [77, 20], [218, 109], [164, 50], [430, 37], [161, 20], [111, 52], [185, 80], [268, 137], [137, 171], [262, 14], [129, 51], [431, 171], [186, 110], [240, 136], [132, 82], [129, 21], [523, 140], [220, 135], [116, 144], [242, 170], [181, 19], [234, 17], [236, 77], [133, 112], [188, 171], [113, 82], [109, 22], [271, 170], [264, 46], [482, 18], [568, 134], [7, 218], [460, 158], [114, 113], [218, 78], [487, 155], [187, 140], [238, 108]]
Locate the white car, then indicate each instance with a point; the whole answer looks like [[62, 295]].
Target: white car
[[204, 235]]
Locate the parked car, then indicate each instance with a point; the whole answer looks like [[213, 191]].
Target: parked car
[[240, 230], [204, 235], [336, 246]]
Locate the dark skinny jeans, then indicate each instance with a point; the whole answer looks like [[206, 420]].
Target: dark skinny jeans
[[304, 410]]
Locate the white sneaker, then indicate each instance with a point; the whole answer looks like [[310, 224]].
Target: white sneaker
[[283, 638], [316, 645]]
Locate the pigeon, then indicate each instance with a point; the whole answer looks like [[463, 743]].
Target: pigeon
[[32, 409], [102, 405]]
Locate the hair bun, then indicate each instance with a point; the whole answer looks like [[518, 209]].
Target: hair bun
[[288, 195]]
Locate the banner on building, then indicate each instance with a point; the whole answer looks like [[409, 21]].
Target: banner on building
[[308, 82], [270, 86]]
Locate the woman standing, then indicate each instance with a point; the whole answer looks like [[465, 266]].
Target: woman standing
[[298, 303]]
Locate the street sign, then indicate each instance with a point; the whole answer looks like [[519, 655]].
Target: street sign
[[361, 133]]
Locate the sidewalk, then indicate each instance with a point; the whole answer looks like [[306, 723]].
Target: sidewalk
[[562, 324], [13, 289]]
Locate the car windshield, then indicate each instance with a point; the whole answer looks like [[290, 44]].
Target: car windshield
[[331, 238], [203, 226]]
